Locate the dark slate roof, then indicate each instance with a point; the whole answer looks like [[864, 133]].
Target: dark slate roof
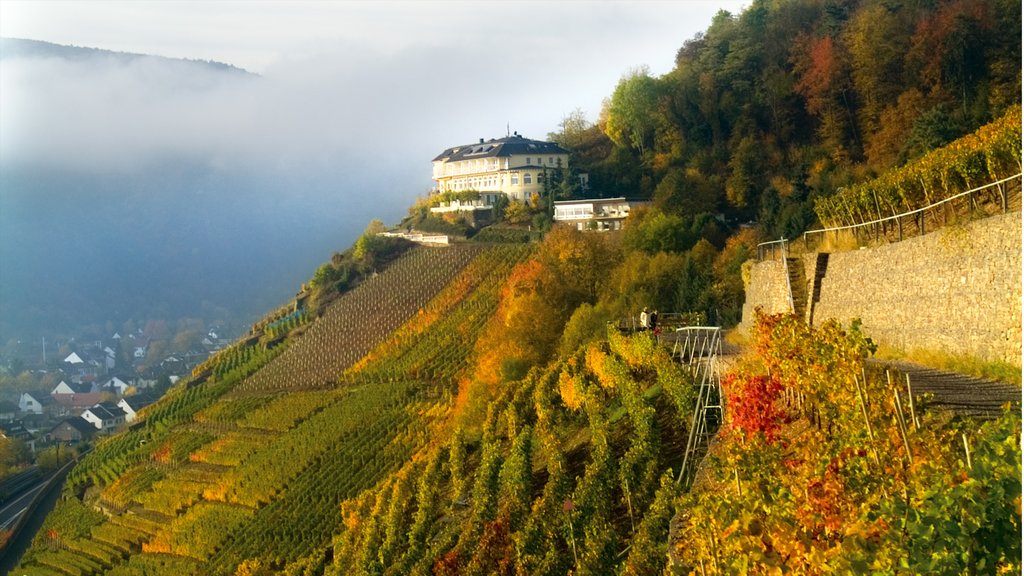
[[79, 388], [42, 396], [500, 147], [140, 401], [107, 411], [78, 423]]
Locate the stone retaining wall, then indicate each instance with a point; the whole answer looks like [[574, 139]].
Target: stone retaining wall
[[766, 289], [956, 290]]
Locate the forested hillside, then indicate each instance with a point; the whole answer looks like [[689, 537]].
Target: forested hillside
[[791, 100], [480, 409]]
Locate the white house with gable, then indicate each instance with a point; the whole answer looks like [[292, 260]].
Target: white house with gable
[[104, 416]]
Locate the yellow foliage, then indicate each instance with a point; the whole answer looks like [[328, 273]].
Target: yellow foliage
[[568, 391], [596, 362]]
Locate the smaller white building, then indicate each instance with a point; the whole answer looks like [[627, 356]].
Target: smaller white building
[[105, 416], [34, 402], [115, 385], [595, 214], [63, 388], [132, 405]]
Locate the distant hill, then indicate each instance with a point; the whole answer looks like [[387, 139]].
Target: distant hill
[[25, 48], [132, 187]]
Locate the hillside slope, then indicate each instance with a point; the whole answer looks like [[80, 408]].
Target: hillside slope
[[233, 467], [413, 460]]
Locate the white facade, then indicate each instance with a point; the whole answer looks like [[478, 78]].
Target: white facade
[[117, 384], [28, 403], [514, 166], [129, 414], [595, 214], [104, 417]]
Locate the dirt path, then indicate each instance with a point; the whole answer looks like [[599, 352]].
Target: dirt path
[[965, 395]]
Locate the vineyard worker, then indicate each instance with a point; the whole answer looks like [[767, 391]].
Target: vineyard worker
[[652, 320], [643, 319]]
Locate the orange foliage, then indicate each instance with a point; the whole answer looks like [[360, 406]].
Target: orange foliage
[[163, 454], [520, 329], [818, 73]]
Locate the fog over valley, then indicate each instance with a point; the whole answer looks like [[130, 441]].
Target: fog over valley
[[138, 187]]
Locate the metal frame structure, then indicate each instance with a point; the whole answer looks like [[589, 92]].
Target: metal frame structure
[[698, 349]]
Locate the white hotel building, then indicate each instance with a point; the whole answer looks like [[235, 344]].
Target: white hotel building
[[514, 166]]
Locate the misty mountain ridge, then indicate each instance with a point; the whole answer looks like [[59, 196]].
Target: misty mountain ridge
[[136, 187], [26, 48]]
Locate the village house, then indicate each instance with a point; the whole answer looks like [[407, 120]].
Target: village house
[[114, 386], [132, 405], [74, 429], [19, 430], [64, 388], [36, 402], [74, 404], [514, 166], [105, 416]]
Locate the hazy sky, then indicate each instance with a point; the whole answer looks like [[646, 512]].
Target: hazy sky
[[130, 171], [464, 69]]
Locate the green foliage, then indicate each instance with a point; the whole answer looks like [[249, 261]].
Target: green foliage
[[536, 490], [13, 454], [587, 324], [654, 231], [991, 153], [516, 212], [454, 195], [633, 115], [852, 483], [370, 254], [52, 458]]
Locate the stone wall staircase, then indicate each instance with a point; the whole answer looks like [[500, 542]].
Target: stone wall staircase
[[820, 268], [797, 285]]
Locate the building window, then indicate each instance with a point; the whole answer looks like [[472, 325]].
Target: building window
[[527, 179], [551, 160], [515, 179], [528, 161]]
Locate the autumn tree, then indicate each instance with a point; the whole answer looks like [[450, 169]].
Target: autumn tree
[[632, 115]]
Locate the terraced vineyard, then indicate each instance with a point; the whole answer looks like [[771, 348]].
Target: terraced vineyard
[[356, 323], [437, 343], [264, 452]]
